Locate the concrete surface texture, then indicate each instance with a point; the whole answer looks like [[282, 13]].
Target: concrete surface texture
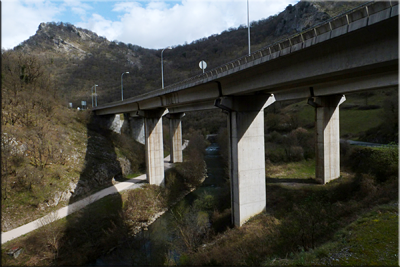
[[175, 129], [154, 149], [328, 137]]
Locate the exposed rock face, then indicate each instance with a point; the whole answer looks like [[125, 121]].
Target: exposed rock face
[[299, 17], [125, 165]]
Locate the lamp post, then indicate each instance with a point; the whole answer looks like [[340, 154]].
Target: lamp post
[[162, 67], [248, 25], [95, 94], [122, 86]]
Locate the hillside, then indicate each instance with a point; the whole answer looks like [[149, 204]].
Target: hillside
[[79, 58]]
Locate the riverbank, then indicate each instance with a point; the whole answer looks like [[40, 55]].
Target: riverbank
[[186, 222]]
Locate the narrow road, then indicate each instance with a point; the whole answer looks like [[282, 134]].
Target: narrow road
[[65, 211]]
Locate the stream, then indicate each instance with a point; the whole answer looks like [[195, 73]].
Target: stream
[[160, 244]]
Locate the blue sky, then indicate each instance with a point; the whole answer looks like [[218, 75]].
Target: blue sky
[[150, 24]]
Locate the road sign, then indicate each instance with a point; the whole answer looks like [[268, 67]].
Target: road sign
[[202, 65]]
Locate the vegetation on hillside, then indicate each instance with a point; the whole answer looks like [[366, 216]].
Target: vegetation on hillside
[[35, 144], [50, 153]]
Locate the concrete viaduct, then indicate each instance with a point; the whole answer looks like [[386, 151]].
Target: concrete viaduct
[[355, 51]]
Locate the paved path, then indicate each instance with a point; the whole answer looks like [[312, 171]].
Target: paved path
[[65, 211]]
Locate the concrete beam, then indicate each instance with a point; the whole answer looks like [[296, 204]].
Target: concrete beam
[[204, 105], [245, 103], [362, 83], [117, 109], [364, 50], [365, 82], [247, 154]]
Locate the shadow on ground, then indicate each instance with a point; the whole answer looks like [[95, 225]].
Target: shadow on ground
[[92, 232]]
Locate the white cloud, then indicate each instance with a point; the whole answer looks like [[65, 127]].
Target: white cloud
[[157, 24], [150, 24], [21, 18], [77, 7], [112, 30]]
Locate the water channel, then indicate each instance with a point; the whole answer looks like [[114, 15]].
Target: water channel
[[160, 243]]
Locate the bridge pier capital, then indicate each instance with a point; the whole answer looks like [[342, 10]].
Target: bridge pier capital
[[245, 103]]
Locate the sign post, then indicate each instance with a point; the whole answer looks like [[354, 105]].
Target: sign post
[[202, 65]]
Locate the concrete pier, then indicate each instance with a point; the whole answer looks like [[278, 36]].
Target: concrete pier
[[175, 130], [154, 150], [247, 154], [327, 137]]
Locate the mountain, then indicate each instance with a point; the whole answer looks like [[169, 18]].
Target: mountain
[[79, 58]]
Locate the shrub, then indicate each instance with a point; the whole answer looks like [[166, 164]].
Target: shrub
[[306, 224], [295, 146], [174, 186], [142, 203], [382, 163], [193, 168], [274, 153]]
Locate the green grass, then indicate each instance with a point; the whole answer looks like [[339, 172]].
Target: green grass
[[306, 114], [133, 175], [370, 240], [303, 170], [354, 121]]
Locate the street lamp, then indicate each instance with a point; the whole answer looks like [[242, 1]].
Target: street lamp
[[95, 94], [162, 67], [248, 25], [122, 86]]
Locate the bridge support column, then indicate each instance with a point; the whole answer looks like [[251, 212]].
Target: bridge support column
[[154, 150], [327, 136], [246, 153], [175, 130]]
